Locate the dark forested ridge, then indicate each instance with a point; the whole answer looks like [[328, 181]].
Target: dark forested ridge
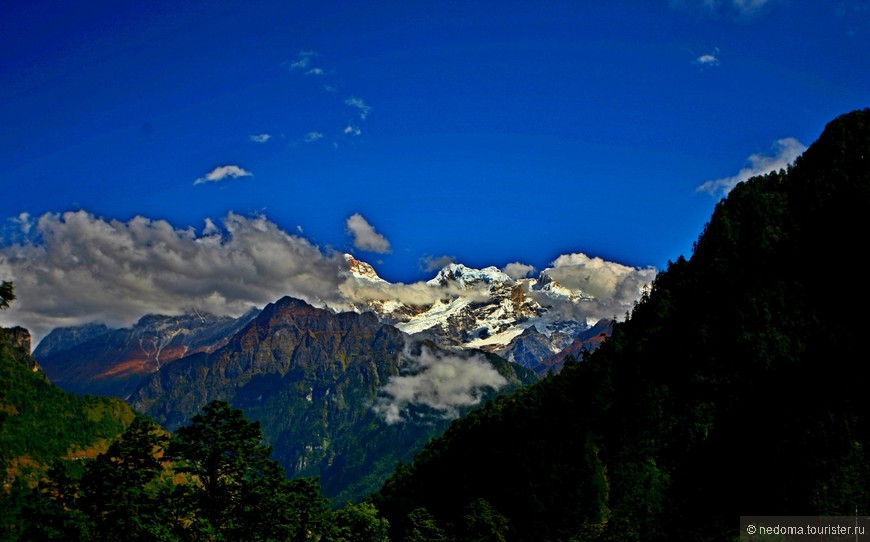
[[731, 389]]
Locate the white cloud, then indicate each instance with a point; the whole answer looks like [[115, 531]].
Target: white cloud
[[614, 287], [260, 138], [364, 109], [365, 237], [315, 71], [444, 382], [311, 137], [417, 294], [517, 270], [352, 130], [709, 59], [77, 268], [782, 154], [303, 60], [221, 173], [24, 221]]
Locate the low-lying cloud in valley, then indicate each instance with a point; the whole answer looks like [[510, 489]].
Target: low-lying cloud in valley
[[444, 382]]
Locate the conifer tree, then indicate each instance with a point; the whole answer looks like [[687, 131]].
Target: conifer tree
[[235, 490], [114, 488]]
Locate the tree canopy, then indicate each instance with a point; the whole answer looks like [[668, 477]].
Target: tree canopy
[[7, 295]]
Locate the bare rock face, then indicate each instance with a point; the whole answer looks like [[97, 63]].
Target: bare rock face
[[17, 337], [15, 342]]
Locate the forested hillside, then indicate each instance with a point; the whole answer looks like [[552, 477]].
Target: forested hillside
[[730, 390], [40, 423]]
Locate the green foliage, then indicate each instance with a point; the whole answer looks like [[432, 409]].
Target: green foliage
[[420, 526], [40, 423], [359, 523], [214, 481], [6, 294], [115, 490], [236, 490], [481, 523]]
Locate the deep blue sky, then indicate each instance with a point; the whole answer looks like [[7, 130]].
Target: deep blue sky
[[491, 132]]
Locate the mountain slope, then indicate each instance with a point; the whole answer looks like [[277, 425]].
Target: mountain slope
[[731, 389], [40, 423], [94, 359], [340, 396]]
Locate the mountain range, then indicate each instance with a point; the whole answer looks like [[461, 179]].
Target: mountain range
[[733, 387], [94, 359], [483, 308], [344, 396], [522, 320]]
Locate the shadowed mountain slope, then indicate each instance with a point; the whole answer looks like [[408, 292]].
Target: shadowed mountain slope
[[731, 389]]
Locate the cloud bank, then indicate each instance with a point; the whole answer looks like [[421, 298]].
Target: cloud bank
[[782, 154], [74, 268], [437, 380]]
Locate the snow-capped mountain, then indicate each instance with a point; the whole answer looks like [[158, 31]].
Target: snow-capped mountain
[[478, 308]]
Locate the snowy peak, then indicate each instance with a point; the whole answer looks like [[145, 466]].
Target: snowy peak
[[361, 270], [466, 277], [474, 308], [551, 288]]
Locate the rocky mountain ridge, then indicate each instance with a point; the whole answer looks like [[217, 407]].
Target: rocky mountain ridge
[[343, 396], [483, 308], [94, 359]]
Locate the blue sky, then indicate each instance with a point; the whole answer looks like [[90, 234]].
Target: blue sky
[[411, 133]]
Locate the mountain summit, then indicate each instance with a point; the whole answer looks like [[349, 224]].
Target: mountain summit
[[480, 308]]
